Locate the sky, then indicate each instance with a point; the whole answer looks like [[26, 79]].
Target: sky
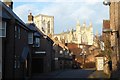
[[66, 13]]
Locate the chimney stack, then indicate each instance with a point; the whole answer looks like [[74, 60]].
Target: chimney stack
[[8, 3], [30, 18]]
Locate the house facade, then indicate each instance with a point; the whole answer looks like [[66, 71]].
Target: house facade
[[15, 51], [41, 47], [115, 26], [62, 57]]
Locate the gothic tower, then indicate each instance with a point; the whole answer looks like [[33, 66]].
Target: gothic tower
[[78, 34], [45, 23], [90, 34]]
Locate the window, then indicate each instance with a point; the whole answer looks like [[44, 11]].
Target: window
[[66, 53], [61, 52], [2, 29], [43, 26], [15, 31], [37, 42], [48, 27], [30, 38], [18, 32]]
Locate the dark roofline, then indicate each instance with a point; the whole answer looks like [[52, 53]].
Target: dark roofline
[[14, 15], [38, 30], [35, 28]]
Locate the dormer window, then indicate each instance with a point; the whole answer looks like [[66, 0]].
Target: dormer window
[[2, 29], [37, 42]]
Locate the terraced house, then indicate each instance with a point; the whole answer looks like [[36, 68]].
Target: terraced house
[[41, 47], [25, 50], [15, 50]]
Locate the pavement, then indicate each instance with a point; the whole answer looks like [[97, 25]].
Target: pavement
[[116, 74], [47, 75], [99, 74]]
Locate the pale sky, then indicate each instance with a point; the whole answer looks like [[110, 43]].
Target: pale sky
[[66, 13]]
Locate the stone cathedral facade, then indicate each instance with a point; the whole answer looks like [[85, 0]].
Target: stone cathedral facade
[[45, 23], [82, 35]]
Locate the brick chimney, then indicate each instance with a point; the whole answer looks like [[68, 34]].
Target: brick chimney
[[30, 18], [8, 3]]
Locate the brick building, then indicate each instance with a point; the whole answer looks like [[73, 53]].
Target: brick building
[[15, 50], [114, 6], [41, 47], [62, 57], [115, 26]]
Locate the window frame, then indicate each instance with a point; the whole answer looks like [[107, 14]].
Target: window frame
[[19, 32], [1, 29], [30, 41], [37, 42], [15, 31]]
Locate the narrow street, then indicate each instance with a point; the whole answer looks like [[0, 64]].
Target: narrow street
[[71, 73], [56, 39]]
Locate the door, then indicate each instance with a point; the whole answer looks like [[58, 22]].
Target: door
[[100, 64], [37, 65]]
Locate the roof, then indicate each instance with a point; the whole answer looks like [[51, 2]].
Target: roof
[[4, 15], [99, 55], [10, 12], [74, 48], [36, 34], [31, 26], [59, 43], [37, 31], [34, 28]]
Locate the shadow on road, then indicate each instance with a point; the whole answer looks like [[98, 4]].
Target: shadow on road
[[71, 73]]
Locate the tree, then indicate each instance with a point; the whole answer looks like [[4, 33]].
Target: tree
[[107, 46]]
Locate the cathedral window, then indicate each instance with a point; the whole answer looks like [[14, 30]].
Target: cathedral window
[[48, 25], [43, 26]]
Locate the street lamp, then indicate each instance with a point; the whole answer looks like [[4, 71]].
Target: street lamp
[[106, 2]]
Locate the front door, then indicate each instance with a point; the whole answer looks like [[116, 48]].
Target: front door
[[100, 64], [37, 65]]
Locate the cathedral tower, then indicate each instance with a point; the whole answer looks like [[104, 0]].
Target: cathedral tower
[[78, 34], [45, 23]]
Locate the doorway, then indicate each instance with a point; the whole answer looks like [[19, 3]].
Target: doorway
[[37, 65]]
